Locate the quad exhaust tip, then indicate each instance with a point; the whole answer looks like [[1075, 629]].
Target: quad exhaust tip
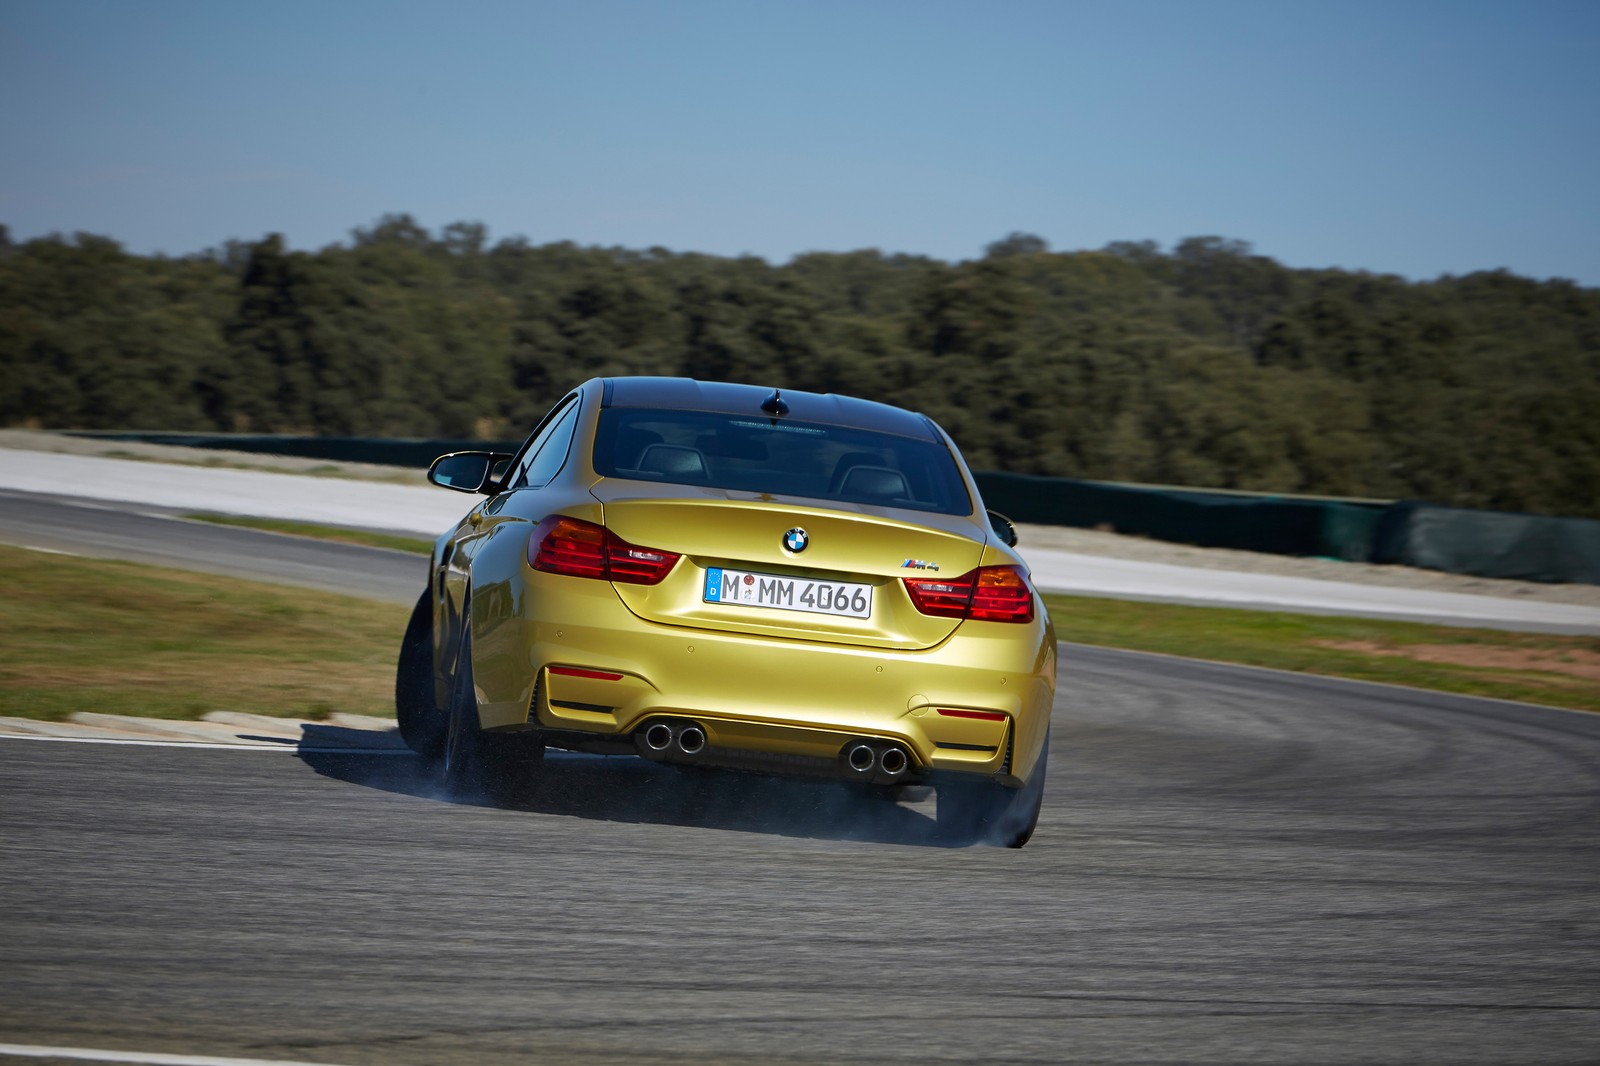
[[879, 762], [681, 738], [658, 737], [691, 739], [861, 758], [893, 762]]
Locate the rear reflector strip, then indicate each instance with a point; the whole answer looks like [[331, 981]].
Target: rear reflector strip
[[986, 716], [593, 675]]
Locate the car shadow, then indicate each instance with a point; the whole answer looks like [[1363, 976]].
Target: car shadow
[[624, 788]]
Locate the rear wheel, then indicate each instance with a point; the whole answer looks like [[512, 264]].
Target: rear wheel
[[987, 812], [422, 723], [500, 766]]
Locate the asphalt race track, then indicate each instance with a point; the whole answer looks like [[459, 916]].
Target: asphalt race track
[[157, 537], [1232, 866]]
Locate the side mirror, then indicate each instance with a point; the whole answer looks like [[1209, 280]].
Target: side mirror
[[1003, 528], [469, 471]]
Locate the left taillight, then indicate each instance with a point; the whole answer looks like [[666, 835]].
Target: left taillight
[[987, 594], [571, 546]]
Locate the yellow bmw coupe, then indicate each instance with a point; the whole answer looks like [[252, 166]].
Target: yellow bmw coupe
[[728, 576]]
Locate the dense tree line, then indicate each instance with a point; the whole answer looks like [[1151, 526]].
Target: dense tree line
[[1204, 365]]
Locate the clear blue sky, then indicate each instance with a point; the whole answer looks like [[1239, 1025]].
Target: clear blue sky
[[1416, 138]]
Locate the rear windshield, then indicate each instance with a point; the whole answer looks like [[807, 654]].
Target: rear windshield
[[785, 458]]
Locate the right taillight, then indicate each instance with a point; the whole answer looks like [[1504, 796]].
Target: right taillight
[[1002, 595], [571, 546], [987, 594]]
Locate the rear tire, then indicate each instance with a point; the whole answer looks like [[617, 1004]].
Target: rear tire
[[985, 812], [422, 724], [498, 766]]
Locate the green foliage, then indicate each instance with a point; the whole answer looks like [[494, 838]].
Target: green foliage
[[92, 336], [1207, 365]]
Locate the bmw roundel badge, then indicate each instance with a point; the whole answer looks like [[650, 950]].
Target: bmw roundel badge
[[796, 540]]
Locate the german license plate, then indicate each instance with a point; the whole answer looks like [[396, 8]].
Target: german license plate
[[747, 589]]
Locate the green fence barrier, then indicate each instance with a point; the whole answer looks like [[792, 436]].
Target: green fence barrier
[[1333, 529], [1490, 543]]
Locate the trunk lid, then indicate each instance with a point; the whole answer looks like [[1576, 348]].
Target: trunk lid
[[853, 553]]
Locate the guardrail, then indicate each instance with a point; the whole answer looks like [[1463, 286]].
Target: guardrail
[[1408, 532], [1276, 524]]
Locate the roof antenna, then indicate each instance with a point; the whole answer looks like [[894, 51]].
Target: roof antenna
[[775, 405]]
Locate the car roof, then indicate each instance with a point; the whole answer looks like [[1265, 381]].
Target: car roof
[[687, 394]]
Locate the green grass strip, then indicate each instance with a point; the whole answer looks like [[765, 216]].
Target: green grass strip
[[121, 638], [392, 541], [1559, 671]]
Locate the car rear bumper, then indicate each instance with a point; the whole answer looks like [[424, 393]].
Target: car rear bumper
[[977, 703]]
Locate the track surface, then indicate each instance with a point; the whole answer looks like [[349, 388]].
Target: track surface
[[157, 536], [1232, 866]]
